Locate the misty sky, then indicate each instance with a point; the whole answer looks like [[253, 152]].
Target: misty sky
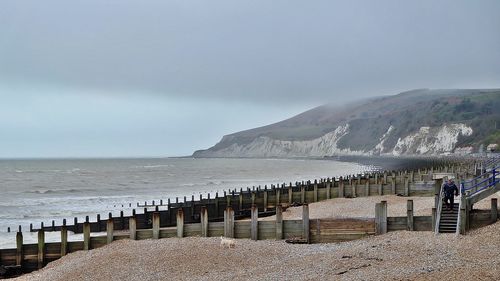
[[100, 78]]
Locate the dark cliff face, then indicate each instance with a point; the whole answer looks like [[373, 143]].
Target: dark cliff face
[[414, 122]]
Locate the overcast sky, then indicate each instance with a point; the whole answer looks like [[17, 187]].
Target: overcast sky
[[164, 78]]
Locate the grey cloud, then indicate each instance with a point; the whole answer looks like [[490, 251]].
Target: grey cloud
[[281, 51]]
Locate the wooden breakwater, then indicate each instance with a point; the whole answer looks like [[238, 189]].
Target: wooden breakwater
[[30, 257], [34, 256], [420, 182]]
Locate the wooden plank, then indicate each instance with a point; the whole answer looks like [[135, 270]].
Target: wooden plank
[[305, 223], [254, 223], [41, 248], [110, 230], [409, 215], [132, 225], [19, 248], [204, 221], [86, 236], [279, 222], [64, 240], [156, 225], [180, 223], [494, 210]]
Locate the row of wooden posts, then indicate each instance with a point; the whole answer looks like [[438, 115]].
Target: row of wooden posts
[[375, 183], [382, 224]]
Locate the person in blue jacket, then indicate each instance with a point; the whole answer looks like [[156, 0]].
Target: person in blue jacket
[[450, 189]]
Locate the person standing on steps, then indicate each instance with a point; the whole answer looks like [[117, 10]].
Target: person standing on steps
[[450, 189]]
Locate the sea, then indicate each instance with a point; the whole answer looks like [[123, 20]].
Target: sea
[[42, 190]]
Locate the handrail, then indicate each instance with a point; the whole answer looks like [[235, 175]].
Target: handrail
[[439, 210], [487, 182]]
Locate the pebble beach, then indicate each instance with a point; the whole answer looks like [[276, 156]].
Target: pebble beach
[[397, 255]]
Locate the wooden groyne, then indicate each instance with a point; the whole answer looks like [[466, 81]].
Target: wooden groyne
[[218, 216], [420, 182]]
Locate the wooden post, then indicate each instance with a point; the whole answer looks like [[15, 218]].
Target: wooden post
[[463, 215], [254, 232], [278, 196], [86, 236], [315, 193], [180, 223], [19, 248], [290, 194], [302, 194], [393, 184], [367, 187], [409, 215], [494, 210], [265, 200], [64, 239], [353, 186], [156, 225], [109, 230], [328, 190], [229, 222], [241, 200], [204, 221], [378, 219], [341, 187], [434, 218], [279, 222], [407, 187], [132, 226], [305, 222], [41, 248], [253, 198]]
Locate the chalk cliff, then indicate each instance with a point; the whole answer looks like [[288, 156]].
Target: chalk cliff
[[419, 122]]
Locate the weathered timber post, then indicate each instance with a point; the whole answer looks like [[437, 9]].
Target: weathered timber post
[[434, 219], [494, 210], [341, 187], [290, 194], [64, 239], [229, 222], [305, 223], [381, 218], [367, 187], [180, 223], [278, 196], [302, 194], [41, 248], [132, 225], [19, 248], [75, 222], [409, 215], [86, 236], [253, 198], [265, 200], [378, 218], [315, 193], [98, 219], [216, 204], [353, 186], [254, 230], [241, 200], [463, 215], [380, 189], [407, 187], [328, 190], [156, 225], [204, 221], [393, 184], [279, 222], [109, 230]]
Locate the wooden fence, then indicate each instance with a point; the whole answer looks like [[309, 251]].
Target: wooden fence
[[406, 183]]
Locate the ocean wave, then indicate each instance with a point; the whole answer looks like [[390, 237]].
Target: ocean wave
[[153, 166], [57, 191]]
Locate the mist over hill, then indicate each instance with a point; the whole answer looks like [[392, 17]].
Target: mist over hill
[[417, 122]]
